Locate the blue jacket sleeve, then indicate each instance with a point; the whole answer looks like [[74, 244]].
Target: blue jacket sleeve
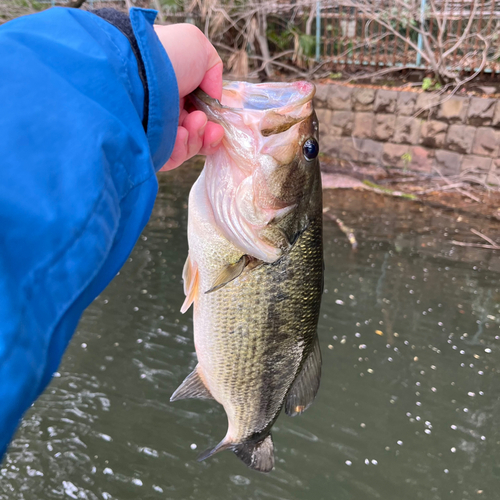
[[77, 179]]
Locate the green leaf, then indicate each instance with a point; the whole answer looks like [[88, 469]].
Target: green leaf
[[308, 44], [426, 84]]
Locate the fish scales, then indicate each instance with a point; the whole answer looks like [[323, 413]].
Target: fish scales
[[246, 328], [255, 267]]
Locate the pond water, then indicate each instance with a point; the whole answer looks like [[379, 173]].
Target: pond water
[[409, 406]]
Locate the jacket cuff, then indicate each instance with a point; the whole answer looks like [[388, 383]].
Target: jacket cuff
[[163, 105]]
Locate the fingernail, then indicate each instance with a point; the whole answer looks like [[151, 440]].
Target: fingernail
[[201, 132], [216, 143]]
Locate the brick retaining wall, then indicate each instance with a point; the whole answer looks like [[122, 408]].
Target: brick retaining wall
[[378, 127]]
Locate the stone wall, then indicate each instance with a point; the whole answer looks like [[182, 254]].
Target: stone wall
[[378, 127]]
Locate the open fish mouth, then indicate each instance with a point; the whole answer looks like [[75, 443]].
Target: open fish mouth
[[260, 96], [264, 108]]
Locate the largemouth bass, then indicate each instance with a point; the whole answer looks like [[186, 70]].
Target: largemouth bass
[[255, 266]]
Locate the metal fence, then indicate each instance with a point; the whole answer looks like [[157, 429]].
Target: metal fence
[[466, 33]]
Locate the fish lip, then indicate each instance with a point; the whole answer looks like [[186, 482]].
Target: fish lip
[[306, 91], [206, 99]]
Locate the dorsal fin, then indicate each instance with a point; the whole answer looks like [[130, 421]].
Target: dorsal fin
[[190, 277], [306, 385], [192, 387]]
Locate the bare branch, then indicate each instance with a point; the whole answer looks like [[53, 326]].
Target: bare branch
[[474, 245], [489, 240], [273, 61], [465, 32], [381, 72], [310, 20]]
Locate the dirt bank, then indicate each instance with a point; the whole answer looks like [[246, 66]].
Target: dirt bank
[[439, 192]]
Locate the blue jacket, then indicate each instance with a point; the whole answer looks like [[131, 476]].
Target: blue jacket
[[77, 179]]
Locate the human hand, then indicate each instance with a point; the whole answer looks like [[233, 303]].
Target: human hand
[[196, 64]]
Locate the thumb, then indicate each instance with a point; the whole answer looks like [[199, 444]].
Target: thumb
[[194, 59]]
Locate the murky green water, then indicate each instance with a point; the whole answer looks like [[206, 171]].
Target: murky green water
[[409, 406]]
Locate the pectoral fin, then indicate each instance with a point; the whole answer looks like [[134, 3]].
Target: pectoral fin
[[193, 387], [232, 271], [190, 277], [306, 385]]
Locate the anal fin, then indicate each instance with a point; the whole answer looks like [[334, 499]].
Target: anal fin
[[306, 385], [193, 387]]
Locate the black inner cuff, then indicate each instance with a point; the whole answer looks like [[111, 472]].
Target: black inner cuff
[[122, 22]]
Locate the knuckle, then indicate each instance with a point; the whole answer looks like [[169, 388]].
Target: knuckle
[[196, 33]]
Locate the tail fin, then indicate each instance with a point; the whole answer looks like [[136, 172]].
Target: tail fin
[[257, 455]]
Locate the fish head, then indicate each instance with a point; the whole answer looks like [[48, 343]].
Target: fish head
[[264, 181]]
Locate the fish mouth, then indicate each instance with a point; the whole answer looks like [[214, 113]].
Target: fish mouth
[[243, 96], [272, 108]]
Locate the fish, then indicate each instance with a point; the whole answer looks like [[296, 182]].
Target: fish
[[254, 271]]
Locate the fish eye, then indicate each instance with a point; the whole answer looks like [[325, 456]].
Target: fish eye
[[310, 149]]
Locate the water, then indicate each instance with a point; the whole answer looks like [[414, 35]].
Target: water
[[409, 405]]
